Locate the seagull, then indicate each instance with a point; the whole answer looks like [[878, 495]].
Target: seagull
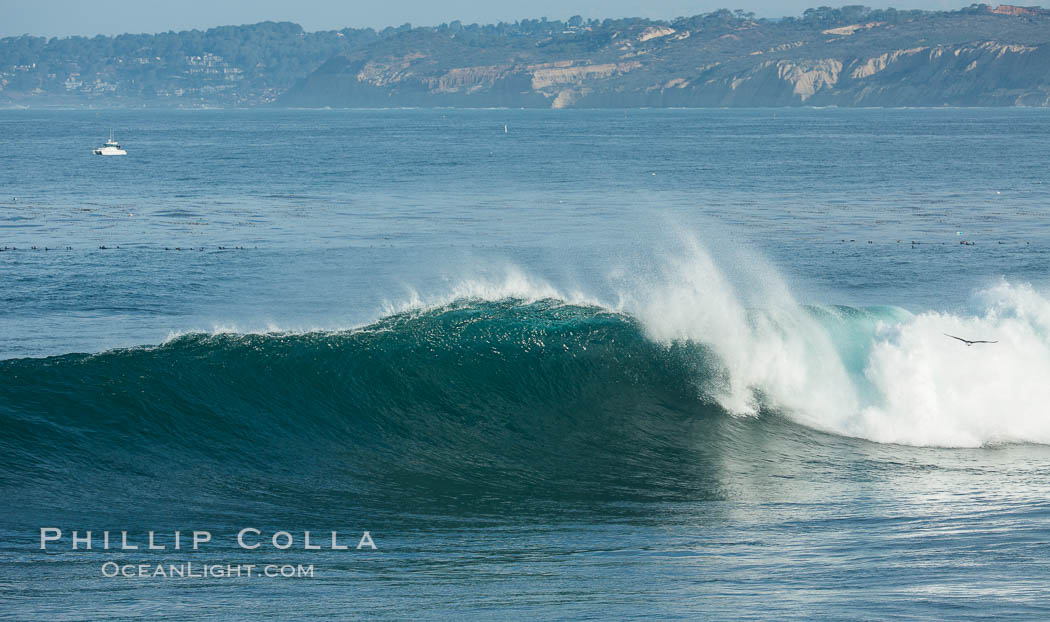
[[967, 341]]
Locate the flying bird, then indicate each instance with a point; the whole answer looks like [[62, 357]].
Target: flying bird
[[967, 341]]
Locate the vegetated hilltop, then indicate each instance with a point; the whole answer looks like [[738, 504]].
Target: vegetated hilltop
[[226, 66], [850, 56]]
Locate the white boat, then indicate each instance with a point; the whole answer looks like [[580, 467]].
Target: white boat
[[111, 148]]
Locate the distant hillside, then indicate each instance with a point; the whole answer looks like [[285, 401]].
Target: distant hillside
[[227, 66], [851, 56], [847, 57]]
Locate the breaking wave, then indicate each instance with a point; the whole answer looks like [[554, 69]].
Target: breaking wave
[[511, 382]]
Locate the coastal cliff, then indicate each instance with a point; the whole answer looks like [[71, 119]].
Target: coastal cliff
[[983, 56]]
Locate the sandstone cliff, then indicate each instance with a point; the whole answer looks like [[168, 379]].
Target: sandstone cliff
[[979, 57]]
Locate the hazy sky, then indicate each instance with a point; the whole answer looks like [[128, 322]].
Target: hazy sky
[[91, 17]]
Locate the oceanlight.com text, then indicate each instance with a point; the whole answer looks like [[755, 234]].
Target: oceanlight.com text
[[192, 570]]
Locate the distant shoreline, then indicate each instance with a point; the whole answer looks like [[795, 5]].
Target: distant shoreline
[[979, 56]]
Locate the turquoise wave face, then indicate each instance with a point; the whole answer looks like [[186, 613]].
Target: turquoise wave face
[[497, 400]]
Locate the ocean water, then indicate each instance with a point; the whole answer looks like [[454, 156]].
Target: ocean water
[[557, 364]]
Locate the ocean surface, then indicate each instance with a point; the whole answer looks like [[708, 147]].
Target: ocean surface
[[558, 364]]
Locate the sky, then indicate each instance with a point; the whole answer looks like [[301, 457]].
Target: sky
[[60, 18]]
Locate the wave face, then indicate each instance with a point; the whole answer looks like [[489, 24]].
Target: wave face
[[514, 386], [481, 396]]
